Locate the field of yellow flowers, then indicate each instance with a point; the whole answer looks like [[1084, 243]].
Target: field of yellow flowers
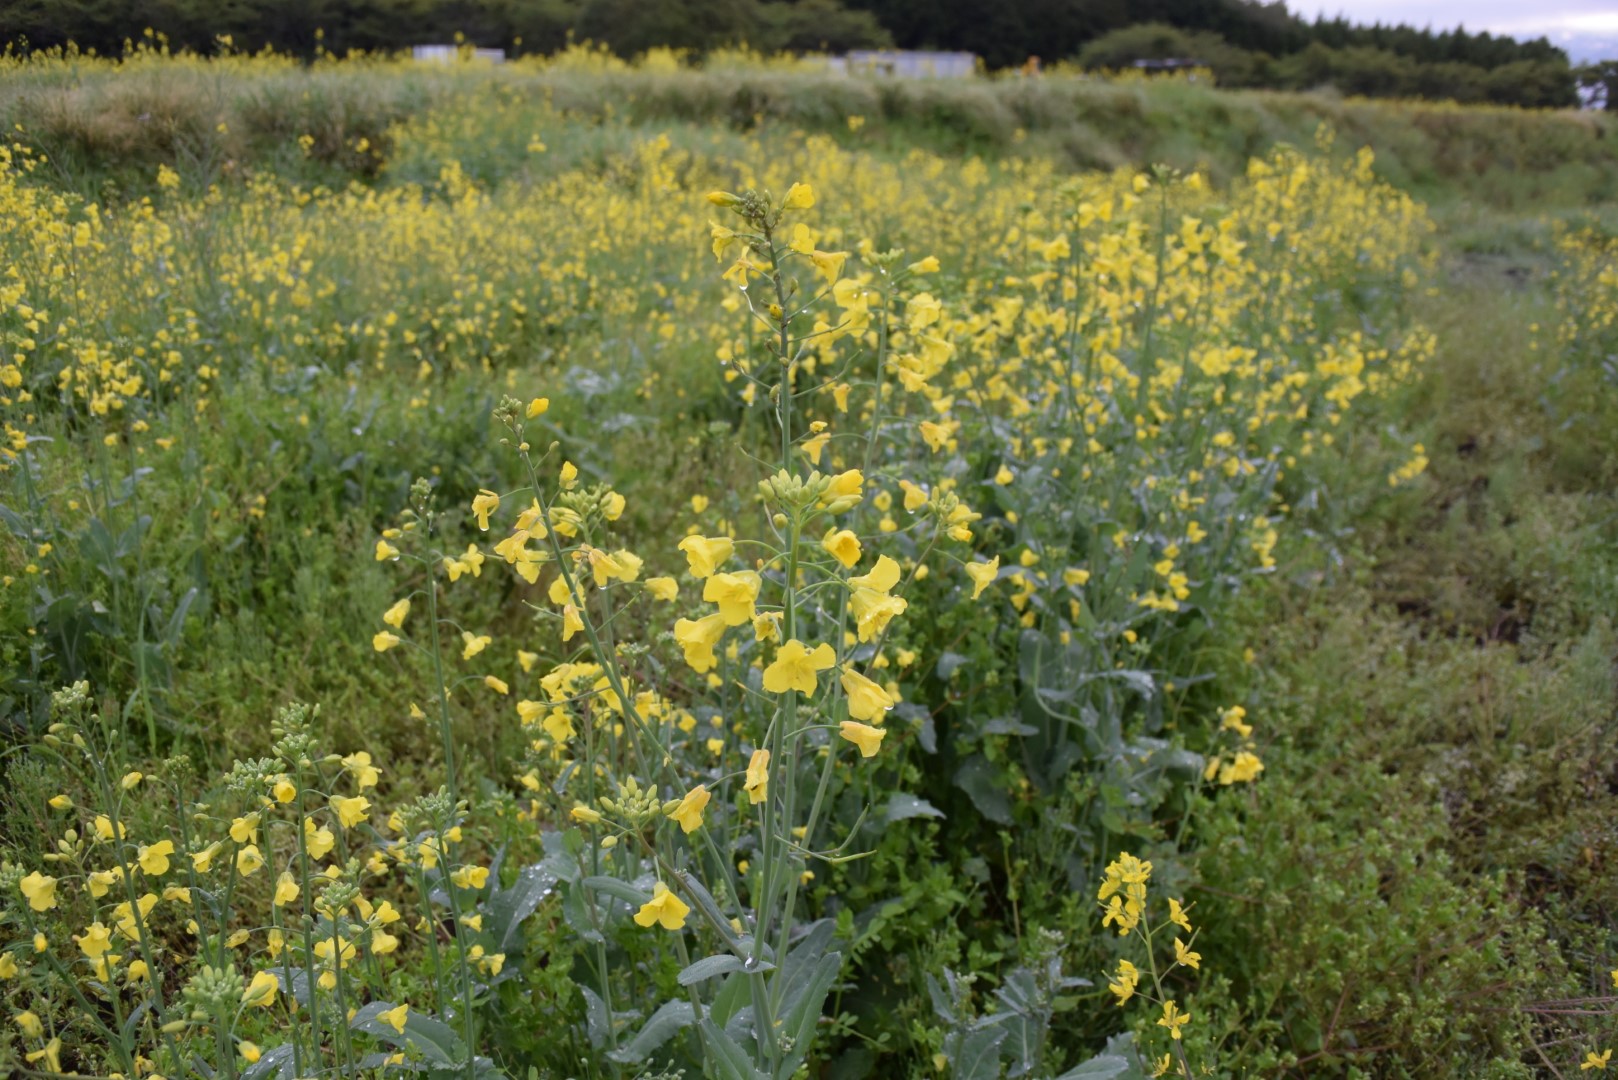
[[528, 591]]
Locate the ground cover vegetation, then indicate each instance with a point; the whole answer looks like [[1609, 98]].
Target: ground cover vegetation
[[524, 582]]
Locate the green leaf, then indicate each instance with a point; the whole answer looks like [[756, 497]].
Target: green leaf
[[614, 887], [805, 1015], [507, 908], [597, 1024], [728, 1059], [709, 967], [434, 1038], [667, 1020], [978, 1057], [976, 778], [733, 996], [1101, 1067], [277, 1061], [902, 806]]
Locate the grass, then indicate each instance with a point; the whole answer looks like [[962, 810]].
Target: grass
[[1424, 878], [102, 123]]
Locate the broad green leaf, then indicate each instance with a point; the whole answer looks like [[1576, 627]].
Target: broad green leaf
[[709, 967], [657, 1030], [435, 1039]]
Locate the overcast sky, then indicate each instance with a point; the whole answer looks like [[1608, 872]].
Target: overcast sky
[[1581, 26]]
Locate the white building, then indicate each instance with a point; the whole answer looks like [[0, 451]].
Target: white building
[[447, 54], [906, 64]]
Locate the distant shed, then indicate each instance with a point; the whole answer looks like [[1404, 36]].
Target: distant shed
[[448, 54], [907, 63]]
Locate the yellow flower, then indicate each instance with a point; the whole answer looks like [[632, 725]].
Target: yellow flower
[[248, 860], [286, 889], [538, 406], [130, 780], [1243, 768], [620, 565], [663, 908], [39, 890], [384, 640], [870, 603], [1234, 719], [815, 445], [663, 588], [319, 841], [843, 545], [571, 622], [202, 861], [470, 877], [385, 551], [360, 768], [61, 802], [757, 784], [798, 197], [395, 1017], [351, 811], [698, 639], [796, 665], [8, 966], [982, 575], [1183, 955], [29, 1024], [688, 811], [844, 492], [866, 700], [249, 1050], [261, 991], [585, 814], [472, 644], [1177, 916], [936, 436], [483, 504], [1593, 1061], [284, 789], [867, 738], [395, 615], [735, 594], [1173, 1019], [96, 941], [1123, 984], [881, 578], [154, 858], [497, 685], [704, 554], [51, 1053]]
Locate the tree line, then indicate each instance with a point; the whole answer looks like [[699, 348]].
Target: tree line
[[1247, 43]]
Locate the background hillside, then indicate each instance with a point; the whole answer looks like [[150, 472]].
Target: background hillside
[[1246, 44]]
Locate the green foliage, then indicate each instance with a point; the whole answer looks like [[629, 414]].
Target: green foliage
[[1416, 895]]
